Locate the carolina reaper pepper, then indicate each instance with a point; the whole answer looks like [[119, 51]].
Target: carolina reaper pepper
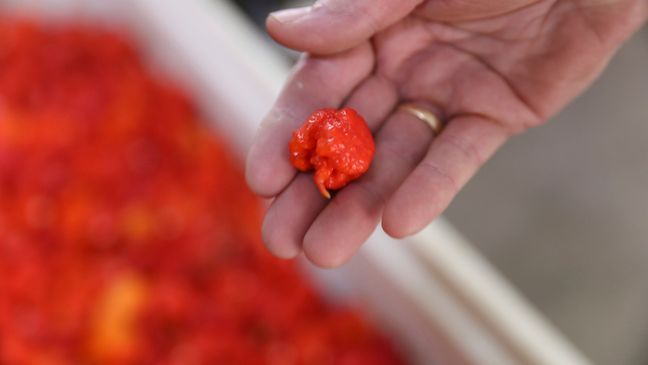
[[337, 144]]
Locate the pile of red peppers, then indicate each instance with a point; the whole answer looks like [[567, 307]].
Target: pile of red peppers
[[126, 233]]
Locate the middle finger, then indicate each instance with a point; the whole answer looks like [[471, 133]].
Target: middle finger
[[294, 210], [355, 211]]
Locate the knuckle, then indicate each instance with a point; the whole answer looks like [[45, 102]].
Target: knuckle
[[467, 149], [434, 171]]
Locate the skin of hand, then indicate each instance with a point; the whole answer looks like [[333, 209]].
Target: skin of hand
[[488, 69]]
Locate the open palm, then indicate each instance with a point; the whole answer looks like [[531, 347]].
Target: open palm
[[488, 69]]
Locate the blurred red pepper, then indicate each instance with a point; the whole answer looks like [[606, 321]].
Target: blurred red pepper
[[126, 233]]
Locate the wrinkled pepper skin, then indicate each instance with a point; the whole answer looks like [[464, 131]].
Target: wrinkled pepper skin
[[337, 144]]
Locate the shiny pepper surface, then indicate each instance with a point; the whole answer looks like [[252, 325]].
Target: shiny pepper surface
[[337, 144]]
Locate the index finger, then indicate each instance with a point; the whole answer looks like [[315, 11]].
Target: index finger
[[316, 82]]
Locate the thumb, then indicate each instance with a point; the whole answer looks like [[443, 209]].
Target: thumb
[[331, 26]]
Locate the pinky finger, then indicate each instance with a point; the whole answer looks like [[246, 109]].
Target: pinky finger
[[453, 158]]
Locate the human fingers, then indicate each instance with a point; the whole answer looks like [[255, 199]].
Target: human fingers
[[317, 82], [452, 159], [331, 26], [291, 214], [345, 224]]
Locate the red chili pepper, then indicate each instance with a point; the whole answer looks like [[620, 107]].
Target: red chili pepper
[[337, 144]]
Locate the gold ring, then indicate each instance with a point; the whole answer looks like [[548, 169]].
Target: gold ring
[[424, 115]]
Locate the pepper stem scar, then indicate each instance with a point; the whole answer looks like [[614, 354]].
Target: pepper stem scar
[[321, 175]]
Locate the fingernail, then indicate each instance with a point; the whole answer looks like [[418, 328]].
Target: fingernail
[[290, 15]]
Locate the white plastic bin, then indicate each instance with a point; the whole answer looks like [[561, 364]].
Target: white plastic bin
[[432, 294]]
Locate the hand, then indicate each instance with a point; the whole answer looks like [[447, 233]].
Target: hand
[[488, 69]]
